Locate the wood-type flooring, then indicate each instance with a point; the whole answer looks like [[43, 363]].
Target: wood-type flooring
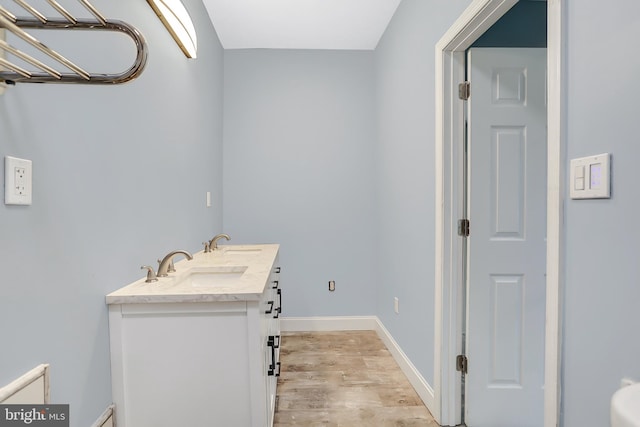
[[344, 379]]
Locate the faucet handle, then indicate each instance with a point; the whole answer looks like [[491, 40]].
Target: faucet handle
[[207, 247], [151, 275]]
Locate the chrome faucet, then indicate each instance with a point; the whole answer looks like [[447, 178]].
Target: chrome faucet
[[166, 265], [212, 244]]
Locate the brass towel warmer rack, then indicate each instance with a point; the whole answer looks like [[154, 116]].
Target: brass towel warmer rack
[[12, 73]]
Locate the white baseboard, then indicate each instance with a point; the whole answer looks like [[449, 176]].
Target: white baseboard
[[422, 387], [325, 324], [365, 323]]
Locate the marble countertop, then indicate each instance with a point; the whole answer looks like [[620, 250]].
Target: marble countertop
[[254, 262]]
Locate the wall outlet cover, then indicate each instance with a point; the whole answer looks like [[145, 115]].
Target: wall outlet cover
[[18, 185]]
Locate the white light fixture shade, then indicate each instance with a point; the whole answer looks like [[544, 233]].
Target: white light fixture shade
[[175, 17]]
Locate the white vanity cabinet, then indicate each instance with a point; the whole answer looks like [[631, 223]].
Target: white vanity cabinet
[[197, 359]]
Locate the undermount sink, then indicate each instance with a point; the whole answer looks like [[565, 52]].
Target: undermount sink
[[227, 276], [625, 407], [242, 252]]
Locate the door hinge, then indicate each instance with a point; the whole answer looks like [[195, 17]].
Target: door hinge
[[461, 363], [464, 227], [464, 90]]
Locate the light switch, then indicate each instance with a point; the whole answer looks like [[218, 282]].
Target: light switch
[[579, 177], [595, 172], [590, 177]]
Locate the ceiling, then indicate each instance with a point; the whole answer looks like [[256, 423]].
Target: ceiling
[[300, 24]]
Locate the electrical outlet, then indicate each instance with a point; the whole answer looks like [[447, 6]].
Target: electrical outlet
[[396, 305], [332, 285], [20, 179], [208, 199], [17, 181]]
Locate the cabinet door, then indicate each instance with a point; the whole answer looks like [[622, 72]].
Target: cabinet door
[[175, 363]]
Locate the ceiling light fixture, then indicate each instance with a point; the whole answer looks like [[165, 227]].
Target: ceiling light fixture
[[175, 17]]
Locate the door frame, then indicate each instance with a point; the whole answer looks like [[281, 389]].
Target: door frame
[[450, 70]]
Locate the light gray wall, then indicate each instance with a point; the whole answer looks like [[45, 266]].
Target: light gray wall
[[299, 139], [329, 154], [602, 289], [601, 292], [120, 175], [405, 76]]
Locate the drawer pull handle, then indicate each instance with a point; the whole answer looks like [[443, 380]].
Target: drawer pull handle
[[279, 309], [274, 341], [271, 342]]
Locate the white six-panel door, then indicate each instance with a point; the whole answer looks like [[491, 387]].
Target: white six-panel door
[[506, 259]]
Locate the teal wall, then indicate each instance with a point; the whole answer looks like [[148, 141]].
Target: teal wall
[[524, 25]]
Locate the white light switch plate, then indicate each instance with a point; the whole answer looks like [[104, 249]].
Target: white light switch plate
[[18, 184], [590, 177]]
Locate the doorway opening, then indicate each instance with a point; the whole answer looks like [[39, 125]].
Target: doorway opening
[[450, 274]]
